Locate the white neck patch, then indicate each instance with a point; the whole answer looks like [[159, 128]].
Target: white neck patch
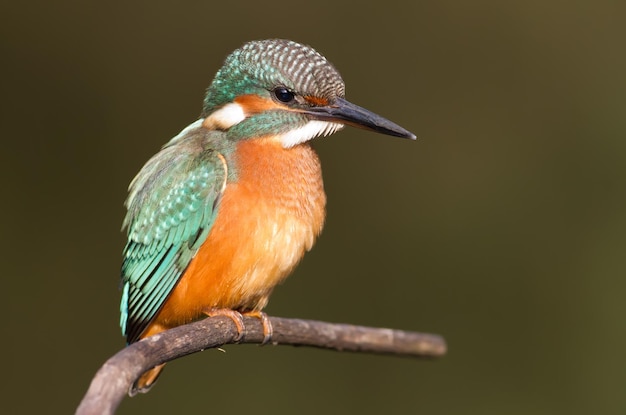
[[308, 131], [225, 117]]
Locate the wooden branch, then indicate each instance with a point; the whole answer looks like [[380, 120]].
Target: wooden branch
[[115, 377]]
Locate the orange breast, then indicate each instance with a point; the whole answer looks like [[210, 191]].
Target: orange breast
[[267, 220]]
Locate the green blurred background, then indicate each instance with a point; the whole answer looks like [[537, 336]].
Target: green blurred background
[[502, 228]]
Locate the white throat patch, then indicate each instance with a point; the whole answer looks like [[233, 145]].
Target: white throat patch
[[307, 132]]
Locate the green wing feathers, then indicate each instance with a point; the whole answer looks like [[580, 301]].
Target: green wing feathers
[[172, 205]]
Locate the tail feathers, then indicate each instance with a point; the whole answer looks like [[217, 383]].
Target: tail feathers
[[146, 381]]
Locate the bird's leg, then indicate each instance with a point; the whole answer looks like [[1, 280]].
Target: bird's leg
[[268, 330], [235, 316]]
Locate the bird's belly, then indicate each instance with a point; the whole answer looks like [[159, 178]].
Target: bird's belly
[[243, 259], [259, 236]]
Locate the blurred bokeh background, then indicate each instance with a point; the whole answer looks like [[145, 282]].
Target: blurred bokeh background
[[502, 228]]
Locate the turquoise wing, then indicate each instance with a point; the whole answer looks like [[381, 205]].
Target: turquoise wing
[[172, 205]]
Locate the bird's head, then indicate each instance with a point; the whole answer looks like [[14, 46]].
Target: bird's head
[[287, 90]]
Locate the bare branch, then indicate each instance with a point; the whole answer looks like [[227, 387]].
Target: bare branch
[[115, 377]]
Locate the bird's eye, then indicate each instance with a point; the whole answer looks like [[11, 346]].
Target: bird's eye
[[283, 94]]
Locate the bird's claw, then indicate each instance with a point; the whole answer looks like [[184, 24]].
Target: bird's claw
[[235, 316]]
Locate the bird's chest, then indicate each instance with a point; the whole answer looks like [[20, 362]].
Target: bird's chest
[[286, 181], [272, 212]]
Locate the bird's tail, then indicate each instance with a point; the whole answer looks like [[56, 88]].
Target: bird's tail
[[145, 381]]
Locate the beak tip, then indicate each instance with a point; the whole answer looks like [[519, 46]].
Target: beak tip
[[401, 132]]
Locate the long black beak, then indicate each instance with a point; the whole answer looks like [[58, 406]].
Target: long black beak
[[345, 112]]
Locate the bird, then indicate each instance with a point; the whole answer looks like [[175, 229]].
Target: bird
[[229, 206]]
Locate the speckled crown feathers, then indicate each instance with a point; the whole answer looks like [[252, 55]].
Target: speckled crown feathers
[[265, 64]]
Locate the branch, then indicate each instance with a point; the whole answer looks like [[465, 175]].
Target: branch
[[115, 377]]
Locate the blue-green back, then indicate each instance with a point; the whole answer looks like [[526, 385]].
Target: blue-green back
[[172, 205]]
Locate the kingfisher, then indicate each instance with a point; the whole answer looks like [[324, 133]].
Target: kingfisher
[[228, 207]]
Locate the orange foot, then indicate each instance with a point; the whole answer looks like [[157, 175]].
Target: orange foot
[[235, 316], [268, 330]]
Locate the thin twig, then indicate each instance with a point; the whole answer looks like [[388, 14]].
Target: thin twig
[[115, 377]]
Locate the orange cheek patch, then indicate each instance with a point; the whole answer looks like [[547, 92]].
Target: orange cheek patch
[[317, 101], [254, 104]]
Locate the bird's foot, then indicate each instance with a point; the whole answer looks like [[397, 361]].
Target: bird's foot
[[268, 330], [235, 316]]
